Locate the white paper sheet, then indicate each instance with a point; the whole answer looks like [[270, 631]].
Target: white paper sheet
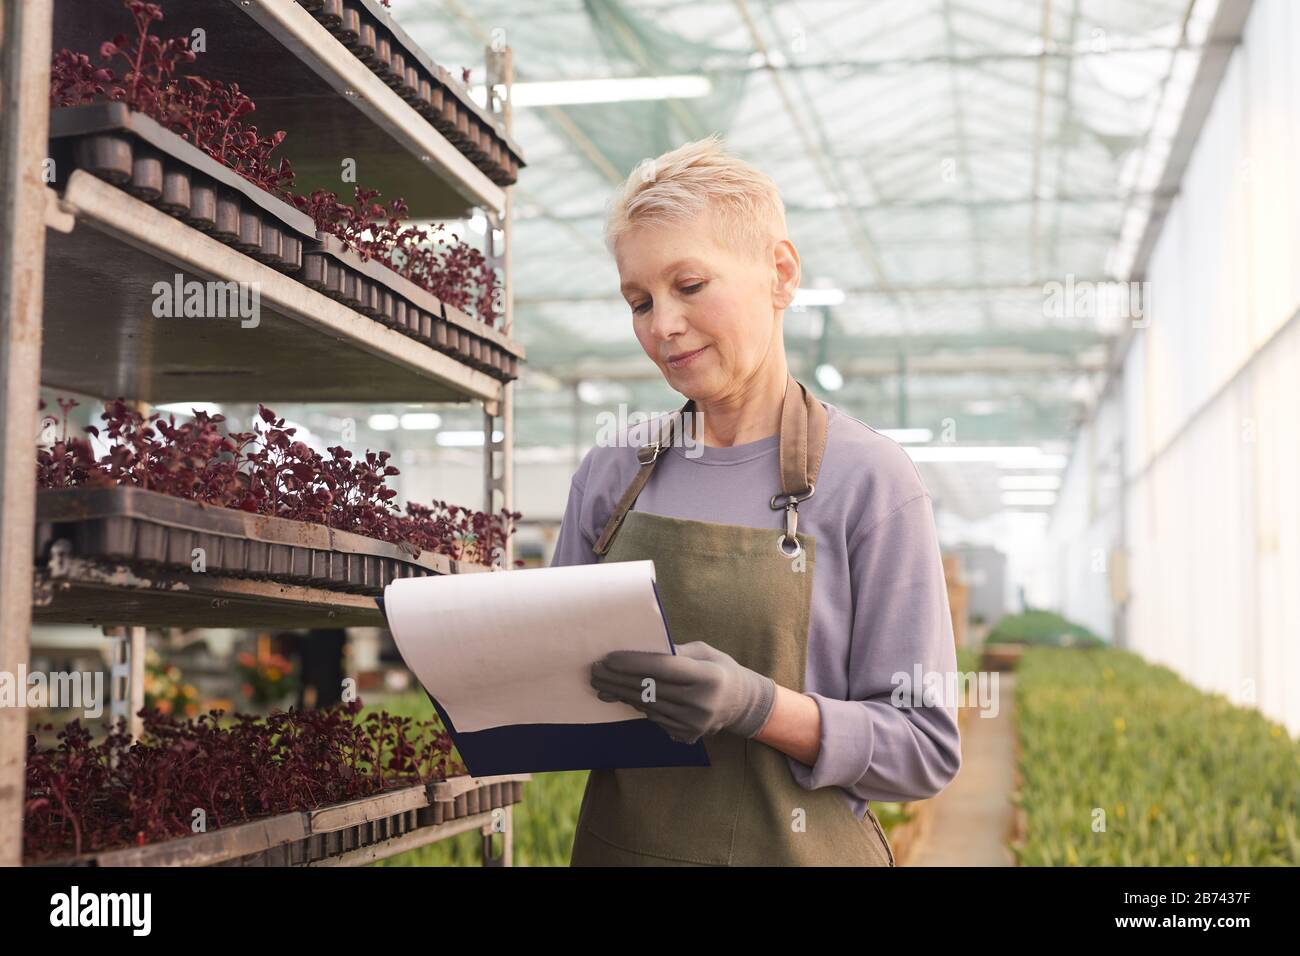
[[516, 647]]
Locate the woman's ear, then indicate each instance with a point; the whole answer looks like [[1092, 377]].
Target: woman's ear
[[786, 283]]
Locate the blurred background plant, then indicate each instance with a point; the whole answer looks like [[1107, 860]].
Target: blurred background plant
[[1126, 764], [266, 678], [166, 690], [1036, 626]]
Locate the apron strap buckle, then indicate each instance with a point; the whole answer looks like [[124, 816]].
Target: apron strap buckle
[[791, 507], [646, 454], [792, 500]]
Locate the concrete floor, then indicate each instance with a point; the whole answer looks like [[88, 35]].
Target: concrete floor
[[973, 819]]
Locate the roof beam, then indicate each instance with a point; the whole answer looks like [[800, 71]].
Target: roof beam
[[963, 159], [1034, 287]]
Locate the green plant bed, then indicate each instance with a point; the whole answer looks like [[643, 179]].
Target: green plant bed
[[1176, 776], [544, 824], [968, 659], [891, 815], [1036, 626]]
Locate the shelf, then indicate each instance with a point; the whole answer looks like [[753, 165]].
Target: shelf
[[305, 82], [111, 594], [125, 556], [101, 251], [368, 29], [133, 152], [358, 831], [102, 338]]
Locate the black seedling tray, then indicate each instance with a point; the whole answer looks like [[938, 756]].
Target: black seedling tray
[[135, 153], [370, 32], [132, 151], [304, 837], [149, 529], [373, 289]]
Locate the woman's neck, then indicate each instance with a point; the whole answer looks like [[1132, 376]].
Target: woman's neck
[[751, 413]]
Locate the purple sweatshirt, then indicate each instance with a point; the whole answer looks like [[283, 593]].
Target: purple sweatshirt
[[879, 604]]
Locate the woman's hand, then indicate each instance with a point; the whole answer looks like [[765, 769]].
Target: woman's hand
[[696, 692]]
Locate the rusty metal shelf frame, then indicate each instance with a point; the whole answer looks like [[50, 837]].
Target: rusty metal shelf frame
[[28, 208], [114, 594]]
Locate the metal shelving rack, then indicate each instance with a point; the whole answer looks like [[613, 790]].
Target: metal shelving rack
[[344, 104]]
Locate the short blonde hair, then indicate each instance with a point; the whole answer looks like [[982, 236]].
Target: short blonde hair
[[694, 180]]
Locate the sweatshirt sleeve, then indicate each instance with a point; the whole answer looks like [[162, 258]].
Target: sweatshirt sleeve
[[893, 740], [574, 544]]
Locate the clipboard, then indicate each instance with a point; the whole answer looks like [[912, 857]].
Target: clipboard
[[525, 746]]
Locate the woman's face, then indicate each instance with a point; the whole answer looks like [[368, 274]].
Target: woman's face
[[707, 316]]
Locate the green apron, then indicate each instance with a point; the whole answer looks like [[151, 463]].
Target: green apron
[[747, 592]]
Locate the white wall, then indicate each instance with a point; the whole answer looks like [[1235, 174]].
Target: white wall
[[1085, 528], [1211, 400]]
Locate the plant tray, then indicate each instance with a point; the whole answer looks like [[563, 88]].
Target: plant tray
[[148, 529], [371, 288], [314, 837], [371, 33], [133, 152]]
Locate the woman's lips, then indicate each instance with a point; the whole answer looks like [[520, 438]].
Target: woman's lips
[[686, 359]]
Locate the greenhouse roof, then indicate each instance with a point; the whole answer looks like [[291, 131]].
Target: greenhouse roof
[[943, 162]]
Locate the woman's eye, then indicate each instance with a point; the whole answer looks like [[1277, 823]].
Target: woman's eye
[[638, 309], [692, 289]]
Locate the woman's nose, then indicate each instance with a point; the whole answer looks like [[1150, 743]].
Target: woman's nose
[[668, 321]]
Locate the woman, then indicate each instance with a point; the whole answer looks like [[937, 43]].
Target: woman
[[796, 559]]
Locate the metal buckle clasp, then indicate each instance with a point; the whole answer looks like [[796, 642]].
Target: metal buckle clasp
[[791, 507], [792, 499], [652, 449]]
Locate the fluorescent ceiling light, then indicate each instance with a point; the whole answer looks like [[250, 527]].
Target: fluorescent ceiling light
[[303, 434], [1016, 456], [805, 298], [829, 377], [189, 408], [421, 421], [1045, 461], [382, 423], [1028, 497], [602, 392], [464, 439], [1029, 482], [907, 435], [608, 90]]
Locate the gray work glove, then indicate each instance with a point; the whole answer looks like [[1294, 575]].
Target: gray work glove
[[698, 691]]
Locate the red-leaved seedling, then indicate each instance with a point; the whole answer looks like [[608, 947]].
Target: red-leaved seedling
[[266, 471], [84, 797], [213, 116]]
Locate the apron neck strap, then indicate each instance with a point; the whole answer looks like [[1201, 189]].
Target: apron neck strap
[[803, 439], [802, 443]]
